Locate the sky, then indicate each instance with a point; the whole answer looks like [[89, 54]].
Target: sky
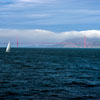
[[49, 20]]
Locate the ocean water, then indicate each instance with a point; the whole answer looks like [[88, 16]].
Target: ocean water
[[50, 74]]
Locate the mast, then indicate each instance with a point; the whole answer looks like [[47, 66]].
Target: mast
[[17, 42], [84, 41]]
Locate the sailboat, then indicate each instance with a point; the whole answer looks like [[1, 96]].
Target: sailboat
[[8, 47]]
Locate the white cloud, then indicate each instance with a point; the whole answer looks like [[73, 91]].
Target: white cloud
[[28, 0], [39, 35], [79, 11], [36, 1], [87, 33]]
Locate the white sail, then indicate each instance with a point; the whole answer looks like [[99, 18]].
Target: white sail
[[8, 47]]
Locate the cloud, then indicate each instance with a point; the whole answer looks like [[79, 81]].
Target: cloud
[[45, 12], [38, 35], [87, 33], [28, 0], [32, 1], [35, 1], [79, 11]]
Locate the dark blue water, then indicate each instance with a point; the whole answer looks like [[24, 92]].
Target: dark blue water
[[50, 74]]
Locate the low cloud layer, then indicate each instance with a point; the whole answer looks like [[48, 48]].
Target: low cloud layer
[[39, 35]]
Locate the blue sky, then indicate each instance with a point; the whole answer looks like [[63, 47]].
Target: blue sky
[[52, 15]]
